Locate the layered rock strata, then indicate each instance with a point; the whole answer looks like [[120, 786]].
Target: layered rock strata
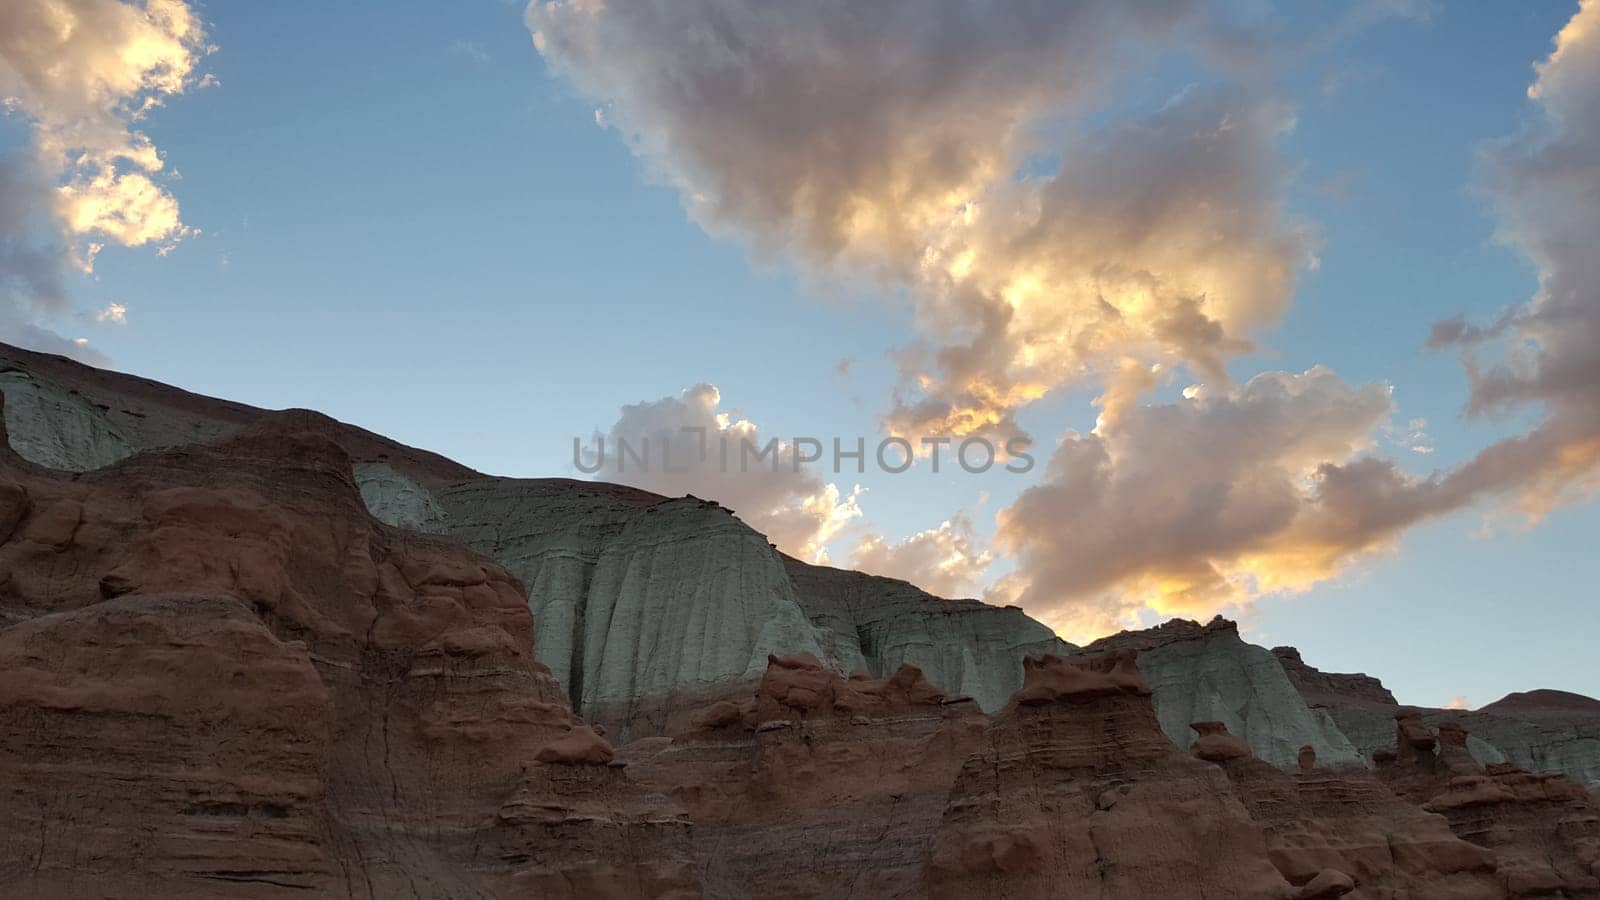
[[650, 608], [648, 605], [222, 676]]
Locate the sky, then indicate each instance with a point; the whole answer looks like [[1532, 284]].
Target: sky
[[1297, 314]]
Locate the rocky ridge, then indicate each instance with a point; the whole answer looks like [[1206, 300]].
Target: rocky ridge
[[650, 607], [647, 604], [225, 676]]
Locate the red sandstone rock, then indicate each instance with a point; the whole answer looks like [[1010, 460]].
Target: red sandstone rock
[[1543, 830], [221, 676], [1215, 744], [1076, 792], [816, 785], [582, 746], [1050, 679], [1327, 884]]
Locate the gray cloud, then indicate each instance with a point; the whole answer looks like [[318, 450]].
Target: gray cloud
[[33, 265], [1545, 186], [683, 440]]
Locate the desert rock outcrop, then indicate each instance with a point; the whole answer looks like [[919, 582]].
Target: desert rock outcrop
[[223, 676], [648, 606], [224, 673], [1207, 673]]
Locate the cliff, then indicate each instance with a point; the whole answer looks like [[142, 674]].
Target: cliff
[[1208, 673], [648, 605], [224, 676]]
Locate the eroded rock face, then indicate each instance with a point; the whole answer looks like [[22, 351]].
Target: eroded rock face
[[1077, 792], [1331, 831], [162, 739], [1207, 673], [1542, 830], [223, 676], [1541, 731], [813, 785], [1537, 730], [611, 571], [1331, 688], [648, 607], [879, 624]]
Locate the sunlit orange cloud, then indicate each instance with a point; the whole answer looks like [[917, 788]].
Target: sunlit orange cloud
[[1153, 247], [1140, 518], [82, 71], [860, 146]]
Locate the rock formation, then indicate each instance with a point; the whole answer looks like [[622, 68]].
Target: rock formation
[[223, 672], [223, 676], [1077, 792], [879, 624], [1207, 673], [647, 606], [1540, 731], [815, 785], [639, 637], [1543, 829]]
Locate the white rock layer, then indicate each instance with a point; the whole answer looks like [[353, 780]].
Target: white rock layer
[[1207, 673]]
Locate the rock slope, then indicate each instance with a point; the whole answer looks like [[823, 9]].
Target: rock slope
[[1541, 731], [650, 607], [647, 605], [1208, 673], [879, 624], [224, 676]]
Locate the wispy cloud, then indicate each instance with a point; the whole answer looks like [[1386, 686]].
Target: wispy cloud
[[470, 49]]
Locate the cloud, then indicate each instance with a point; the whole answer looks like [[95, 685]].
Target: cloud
[[1545, 186], [945, 152], [81, 72], [689, 445], [33, 265], [470, 49], [947, 561], [1188, 507], [1226, 495], [941, 150]]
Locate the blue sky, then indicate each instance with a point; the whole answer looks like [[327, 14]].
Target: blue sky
[[411, 222]]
